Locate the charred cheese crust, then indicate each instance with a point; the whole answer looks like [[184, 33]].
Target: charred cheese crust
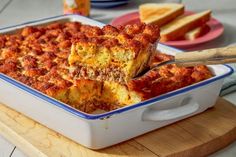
[[38, 57], [114, 54]]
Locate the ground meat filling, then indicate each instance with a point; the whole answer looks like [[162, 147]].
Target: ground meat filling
[[111, 73]]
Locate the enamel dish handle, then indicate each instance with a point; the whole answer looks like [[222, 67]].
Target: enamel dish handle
[[172, 113]]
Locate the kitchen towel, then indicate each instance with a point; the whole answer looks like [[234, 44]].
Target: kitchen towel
[[229, 85]]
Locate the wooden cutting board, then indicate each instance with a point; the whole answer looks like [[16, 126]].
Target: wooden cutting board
[[196, 136]]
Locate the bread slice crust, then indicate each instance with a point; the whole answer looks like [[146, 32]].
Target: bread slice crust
[[160, 14], [182, 25]]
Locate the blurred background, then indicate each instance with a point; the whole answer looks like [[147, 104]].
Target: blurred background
[[18, 11]]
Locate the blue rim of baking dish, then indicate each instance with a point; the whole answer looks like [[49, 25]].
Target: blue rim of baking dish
[[110, 113]]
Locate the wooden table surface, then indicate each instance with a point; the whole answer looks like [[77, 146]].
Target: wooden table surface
[[196, 136]]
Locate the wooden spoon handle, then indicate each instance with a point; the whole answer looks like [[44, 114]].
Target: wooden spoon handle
[[209, 56]]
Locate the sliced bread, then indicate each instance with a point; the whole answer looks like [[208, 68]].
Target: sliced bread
[[195, 33], [181, 25], [161, 13]]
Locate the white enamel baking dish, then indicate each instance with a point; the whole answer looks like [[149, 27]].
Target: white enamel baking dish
[[103, 130]]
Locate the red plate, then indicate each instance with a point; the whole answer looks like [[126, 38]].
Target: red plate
[[215, 29]]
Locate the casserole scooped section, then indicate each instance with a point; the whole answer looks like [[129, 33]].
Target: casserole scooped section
[[113, 54]]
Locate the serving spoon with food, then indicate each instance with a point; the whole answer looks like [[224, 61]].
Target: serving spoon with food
[[202, 57]]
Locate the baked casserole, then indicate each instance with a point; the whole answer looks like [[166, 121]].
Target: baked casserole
[[43, 58]]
